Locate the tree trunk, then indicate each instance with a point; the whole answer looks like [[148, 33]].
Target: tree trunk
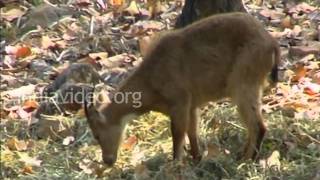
[[196, 9]]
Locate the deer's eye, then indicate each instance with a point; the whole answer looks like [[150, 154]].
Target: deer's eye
[[96, 137]]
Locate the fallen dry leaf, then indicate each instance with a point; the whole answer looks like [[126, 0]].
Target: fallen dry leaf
[[16, 145], [69, 35], [12, 14], [13, 115], [303, 7], [68, 140], [47, 43], [133, 8], [271, 14], [31, 144], [149, 25], [274, 160], [258, 2], [297, 106], [300, 72], [27, 169], [102, 4], [30, 104], [311, 88], [24, 114], [23, 52], [114, 61], [311, 114], [308, 59], [98, 56], [29, 161], [83, 3], [316, 77], [61, 44], [287, 22], [130, 143], [20, 93], [11, 49], [116, 2], [296, 31], [85, 166], [11, 80]]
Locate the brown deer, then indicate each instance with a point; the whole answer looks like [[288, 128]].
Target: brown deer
[[221, 56]]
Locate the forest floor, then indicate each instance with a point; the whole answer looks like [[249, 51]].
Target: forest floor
[[116, 36]]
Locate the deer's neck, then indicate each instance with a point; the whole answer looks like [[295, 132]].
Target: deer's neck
[[126, 102], [119, 113]]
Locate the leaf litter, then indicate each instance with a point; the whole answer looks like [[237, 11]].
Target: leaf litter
[[41, 46]]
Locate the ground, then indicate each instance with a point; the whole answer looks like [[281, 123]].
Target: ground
[[62, 146]]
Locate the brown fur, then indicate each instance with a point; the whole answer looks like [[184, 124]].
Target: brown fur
[[221, 56]]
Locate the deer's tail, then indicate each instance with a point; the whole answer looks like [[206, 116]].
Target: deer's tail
[[275, 67]]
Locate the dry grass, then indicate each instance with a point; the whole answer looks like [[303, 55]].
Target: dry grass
[[150, 158]]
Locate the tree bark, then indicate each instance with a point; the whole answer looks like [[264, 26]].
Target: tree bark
[[194, 10]]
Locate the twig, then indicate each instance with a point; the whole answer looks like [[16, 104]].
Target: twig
[[19, 21], [49, 3], [56, 105], [28, 33], [81, 138], [311, 138], [235, 125], [91, 25], [62, 54]]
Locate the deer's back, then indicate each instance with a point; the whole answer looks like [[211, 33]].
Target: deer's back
[[201, 57]]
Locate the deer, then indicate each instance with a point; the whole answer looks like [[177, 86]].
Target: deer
[[222, 56]]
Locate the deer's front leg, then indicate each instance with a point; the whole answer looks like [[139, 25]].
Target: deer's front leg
[[193, 134], [180, 115]]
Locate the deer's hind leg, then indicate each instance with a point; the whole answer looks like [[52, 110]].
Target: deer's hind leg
[[193, 134], [247, 98], [245, 88]]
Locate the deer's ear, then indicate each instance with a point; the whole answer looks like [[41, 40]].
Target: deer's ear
[[91, 112]]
